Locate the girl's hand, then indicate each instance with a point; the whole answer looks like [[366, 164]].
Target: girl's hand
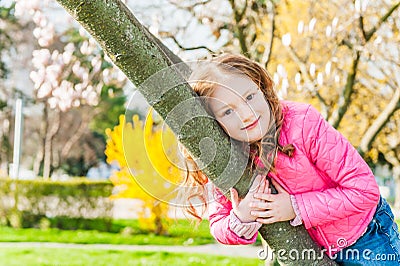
[[241, 207], [275, 207]]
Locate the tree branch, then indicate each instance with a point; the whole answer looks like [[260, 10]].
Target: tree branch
[[189, 48], [267, 56], [309, 81], [345, 97], [189, 7], [238, 16], [370, 33]]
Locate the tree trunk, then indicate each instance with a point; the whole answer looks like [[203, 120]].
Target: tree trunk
[[38, 163], [48, 145], [345, 96], [6, 148], [144, 61], [83, 126]]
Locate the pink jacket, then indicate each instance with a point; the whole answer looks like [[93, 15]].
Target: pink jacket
[[335, 189]]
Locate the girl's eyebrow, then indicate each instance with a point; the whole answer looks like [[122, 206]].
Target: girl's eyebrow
[[242, 97], [223, 107]]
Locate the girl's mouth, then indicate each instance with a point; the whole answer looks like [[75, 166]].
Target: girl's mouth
[[252, 125]]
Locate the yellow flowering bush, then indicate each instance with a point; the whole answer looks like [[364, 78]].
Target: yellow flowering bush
[[147, 155]]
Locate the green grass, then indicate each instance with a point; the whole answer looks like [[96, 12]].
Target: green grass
[[70, 257], [180, 232]]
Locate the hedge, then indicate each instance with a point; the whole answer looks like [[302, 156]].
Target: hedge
[[26, 203]]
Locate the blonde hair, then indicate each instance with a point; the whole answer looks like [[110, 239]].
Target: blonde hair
[[205, 82]]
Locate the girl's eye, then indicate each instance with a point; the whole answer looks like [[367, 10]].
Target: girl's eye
[[250, 97], [228, 112]]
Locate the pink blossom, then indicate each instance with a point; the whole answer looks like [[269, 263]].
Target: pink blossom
[[53, 69], [92, 43], [92, 98], [78, 87], [54, 55], [46, 35], [77, 69], [53, 73], [70, 47], [26, 6], [44, 90], [52, 101], [39, 19], [67, 57], [37, 77], [41, 58], [76, 103], [37, 32], [85, 76], [96, 63], [64, 86], [68, 52], [63, 105]]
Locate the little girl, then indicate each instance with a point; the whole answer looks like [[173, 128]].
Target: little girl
[[322, 181]]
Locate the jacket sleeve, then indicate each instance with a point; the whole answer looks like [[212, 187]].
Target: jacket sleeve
[[354, 187], [219, 209]]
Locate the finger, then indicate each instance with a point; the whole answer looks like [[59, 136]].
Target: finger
[[270, 220], [234, 198], [262, 214], [260, 205], [278, 187], [265, 196], [255, 184], [263, 186]]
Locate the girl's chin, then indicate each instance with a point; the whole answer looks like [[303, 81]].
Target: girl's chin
[[252, 139]]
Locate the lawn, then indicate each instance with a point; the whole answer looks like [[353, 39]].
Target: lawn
[[180, 232], [70, 257]]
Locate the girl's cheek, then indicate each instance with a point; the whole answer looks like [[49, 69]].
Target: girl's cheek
[[260, 103], [223, 125]]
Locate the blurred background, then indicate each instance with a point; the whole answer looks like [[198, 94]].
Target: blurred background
[[63, 103]]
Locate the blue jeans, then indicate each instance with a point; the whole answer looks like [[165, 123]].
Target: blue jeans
[[380, 244]]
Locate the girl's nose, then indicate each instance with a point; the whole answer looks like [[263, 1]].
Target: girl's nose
[[246, 113]]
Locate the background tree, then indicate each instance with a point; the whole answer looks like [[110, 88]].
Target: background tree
[[70, 72], [12, 40]]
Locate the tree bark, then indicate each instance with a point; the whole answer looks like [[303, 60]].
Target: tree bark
[[44, 127], [48, 145], [345, 96], [140, 56]]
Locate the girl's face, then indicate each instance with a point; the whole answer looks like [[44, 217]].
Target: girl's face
[[241, 109]]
